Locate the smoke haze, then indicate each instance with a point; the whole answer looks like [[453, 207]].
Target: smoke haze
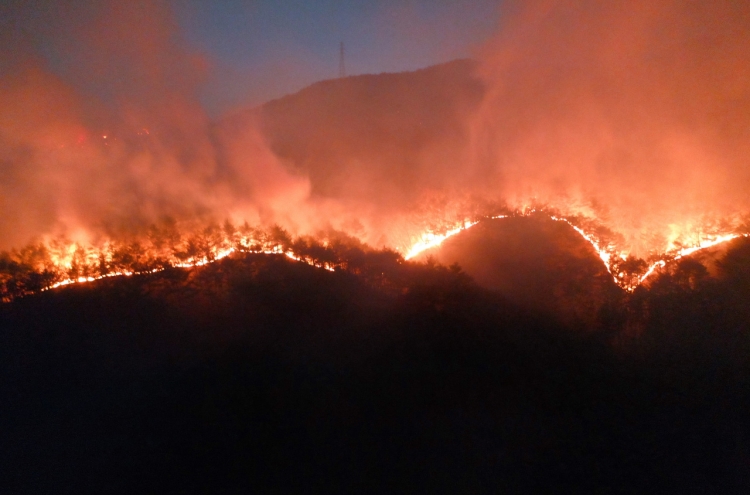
[[123, 140], [636, 113]]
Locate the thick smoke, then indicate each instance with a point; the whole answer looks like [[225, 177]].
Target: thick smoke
[[635, 111], [119, 139]]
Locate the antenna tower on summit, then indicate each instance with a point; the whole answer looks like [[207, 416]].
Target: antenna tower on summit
[[342, 65]]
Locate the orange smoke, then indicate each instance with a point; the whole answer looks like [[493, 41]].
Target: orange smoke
[[629, 119], [121, 141], [636, 113]]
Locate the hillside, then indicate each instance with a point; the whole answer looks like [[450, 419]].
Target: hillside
[[535, 262], [263, 374], [504, 360], [370, 137]]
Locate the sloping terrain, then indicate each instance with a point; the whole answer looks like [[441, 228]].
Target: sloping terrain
[[535, 262], [371, 137], [260, 374]]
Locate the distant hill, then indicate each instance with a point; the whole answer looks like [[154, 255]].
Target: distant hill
[[372, 136]]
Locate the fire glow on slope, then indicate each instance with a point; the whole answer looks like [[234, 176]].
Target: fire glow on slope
[[70, 263], [608, 254], [604, 255], [191, 264], [429, 240], [705, 244]]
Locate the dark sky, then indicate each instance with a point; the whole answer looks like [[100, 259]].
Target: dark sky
[[265, 48], [254, 50]]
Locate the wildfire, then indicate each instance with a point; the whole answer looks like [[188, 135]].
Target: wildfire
[[429, 240], [200, 262], [60, 263], [608, 253], [324, 266], [56, 263], [604, 254], [704, 244]]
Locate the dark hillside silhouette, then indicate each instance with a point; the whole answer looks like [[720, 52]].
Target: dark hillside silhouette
[[536, 262], [260, 374]]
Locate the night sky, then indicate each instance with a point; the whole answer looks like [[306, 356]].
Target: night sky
[[264, 49], [258, 50]]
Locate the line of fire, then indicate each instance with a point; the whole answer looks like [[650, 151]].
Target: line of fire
[[58, 262]]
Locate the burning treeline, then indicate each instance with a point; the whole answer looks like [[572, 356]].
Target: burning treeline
[[58, 262], [628, 120], [637, 111]]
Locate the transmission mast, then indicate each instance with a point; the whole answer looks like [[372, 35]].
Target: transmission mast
[[342, 65]]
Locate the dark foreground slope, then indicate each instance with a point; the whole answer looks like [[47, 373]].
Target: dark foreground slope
[[262, 375], [533, 261]]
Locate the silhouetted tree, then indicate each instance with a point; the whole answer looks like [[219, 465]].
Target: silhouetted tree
[[280, 237]]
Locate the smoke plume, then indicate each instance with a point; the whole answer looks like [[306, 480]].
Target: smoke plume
[[115, 137], [637, 112]]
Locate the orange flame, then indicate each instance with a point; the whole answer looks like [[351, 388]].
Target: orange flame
[[73, 263], [608, 254]]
